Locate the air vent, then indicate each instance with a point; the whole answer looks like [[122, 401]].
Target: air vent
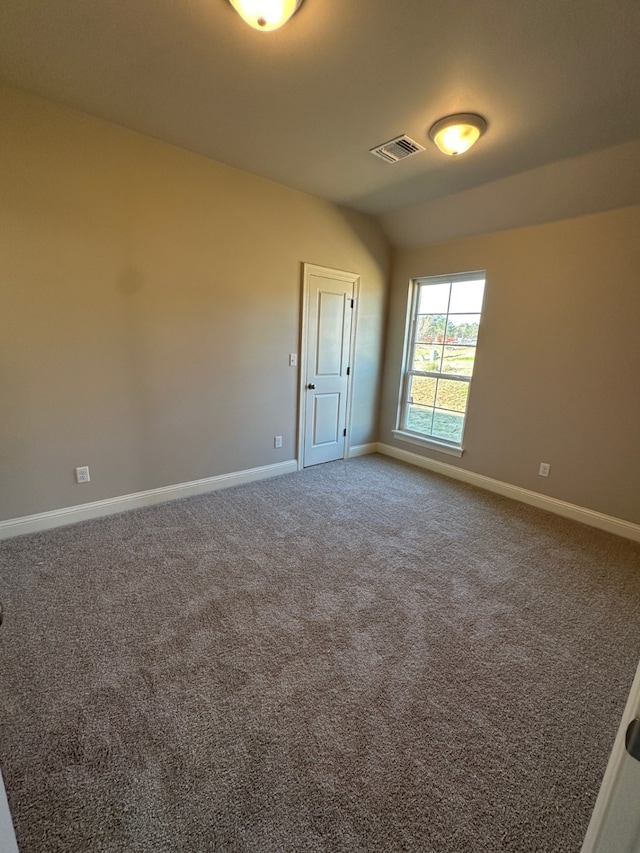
[[397, 149]]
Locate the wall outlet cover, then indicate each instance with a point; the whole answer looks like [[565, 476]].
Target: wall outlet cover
[[82, 474]]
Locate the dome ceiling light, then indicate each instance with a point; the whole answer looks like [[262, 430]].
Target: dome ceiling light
[[457, 133], [266, 15]]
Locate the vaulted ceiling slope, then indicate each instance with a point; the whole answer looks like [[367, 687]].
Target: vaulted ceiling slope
[[556, 81]]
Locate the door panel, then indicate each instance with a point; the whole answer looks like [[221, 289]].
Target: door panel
[[326, 419], [329, 310], [331, 332]]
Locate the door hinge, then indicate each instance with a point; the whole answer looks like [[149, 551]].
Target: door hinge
[[344, 432], [348, 371], [352, 302]]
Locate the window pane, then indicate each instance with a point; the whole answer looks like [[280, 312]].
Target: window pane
[[434, 299], [458, 360], [427, 358], [423, 390], [430, 328], [466, 297], [444, 330], [452, 395], [447, 426], [462, 328], [419, 419]]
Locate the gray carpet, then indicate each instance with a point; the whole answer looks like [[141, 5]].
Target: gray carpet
[[359, 657]]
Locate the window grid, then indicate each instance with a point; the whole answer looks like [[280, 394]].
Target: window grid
[[440, 419]]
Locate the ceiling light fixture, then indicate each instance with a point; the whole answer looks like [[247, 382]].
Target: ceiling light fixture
[[266, 15], [456, 134]]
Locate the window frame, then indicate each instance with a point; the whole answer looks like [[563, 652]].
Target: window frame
[[402, 432]]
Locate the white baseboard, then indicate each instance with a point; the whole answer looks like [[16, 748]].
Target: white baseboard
[[69, 515], [110, 506], [563, 508], [363, 449]]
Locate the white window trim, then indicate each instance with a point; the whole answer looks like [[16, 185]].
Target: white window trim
[[431, 443], [401, 434]]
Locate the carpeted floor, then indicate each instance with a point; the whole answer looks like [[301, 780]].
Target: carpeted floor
[[358, 657]]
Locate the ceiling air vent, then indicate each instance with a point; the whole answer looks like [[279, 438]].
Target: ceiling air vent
[[397, 149]]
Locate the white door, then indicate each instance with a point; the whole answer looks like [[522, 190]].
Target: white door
[[329, 302], [615, 823]]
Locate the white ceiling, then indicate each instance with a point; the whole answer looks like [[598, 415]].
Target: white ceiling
[[557, 80]]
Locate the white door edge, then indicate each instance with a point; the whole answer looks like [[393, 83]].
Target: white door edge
[[7, 836], [341, 275], [607, 788]]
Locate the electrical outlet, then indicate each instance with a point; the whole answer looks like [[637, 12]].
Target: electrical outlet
[[277, 441], [293, 359], [544, 469], [82, 474]]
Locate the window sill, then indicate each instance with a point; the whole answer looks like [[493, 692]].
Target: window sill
[[429, 443]]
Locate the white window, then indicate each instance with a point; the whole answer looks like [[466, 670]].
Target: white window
[[441, 340]]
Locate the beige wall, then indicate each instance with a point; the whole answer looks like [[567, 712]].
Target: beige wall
[[557, 375], [150, 298], [149, 301]]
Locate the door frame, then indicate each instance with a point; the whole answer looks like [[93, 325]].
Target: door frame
[[341, 275]]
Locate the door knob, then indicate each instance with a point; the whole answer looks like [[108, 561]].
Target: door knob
[[632, 739], [311, 386]]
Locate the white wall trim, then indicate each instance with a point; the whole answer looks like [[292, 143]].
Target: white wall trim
[[431, 444], [568, 510], [69, 515], [363, 449], [109, 506]]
